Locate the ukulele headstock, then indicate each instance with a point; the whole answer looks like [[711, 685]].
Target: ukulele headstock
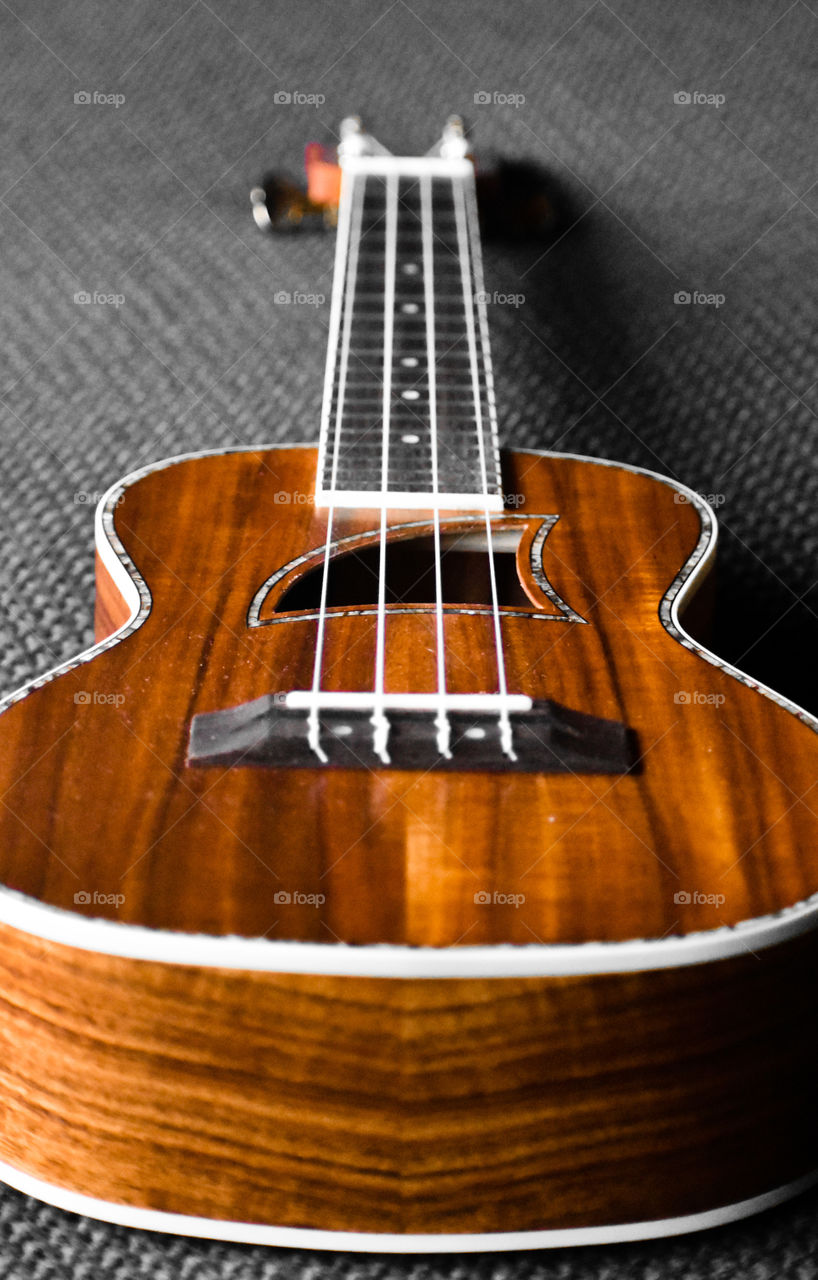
[[517, 200]]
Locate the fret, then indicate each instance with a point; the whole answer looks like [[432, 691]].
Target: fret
[[364, 396], [374, 301], [409, 349], [351, 427], [368, 426], [360, 450], [361, 388]]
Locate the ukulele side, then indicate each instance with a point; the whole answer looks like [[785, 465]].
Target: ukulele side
[[404, 1098]]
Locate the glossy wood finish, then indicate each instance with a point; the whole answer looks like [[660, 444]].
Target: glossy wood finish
[[98, 799], [408, 1107]]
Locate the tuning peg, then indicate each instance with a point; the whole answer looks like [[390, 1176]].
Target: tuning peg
[[355, 141], [517, 200], [281, 204], [452, 144]]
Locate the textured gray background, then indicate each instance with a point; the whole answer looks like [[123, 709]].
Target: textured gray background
[[149, 200]]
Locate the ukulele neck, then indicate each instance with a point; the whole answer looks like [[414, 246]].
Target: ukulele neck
[[409, 418]]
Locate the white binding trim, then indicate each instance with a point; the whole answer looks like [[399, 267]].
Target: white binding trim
[[376, 1242], [387, 960]]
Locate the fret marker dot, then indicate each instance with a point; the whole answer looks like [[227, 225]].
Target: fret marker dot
[[410, 308], [411, 395], [409, 362], [475, 733], [410, 268], [410, 439]]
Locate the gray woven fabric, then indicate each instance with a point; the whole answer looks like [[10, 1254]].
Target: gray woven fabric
[[147, 200], [40, 1243]]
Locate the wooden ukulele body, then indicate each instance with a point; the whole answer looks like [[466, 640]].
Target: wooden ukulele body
[[381, 1009]]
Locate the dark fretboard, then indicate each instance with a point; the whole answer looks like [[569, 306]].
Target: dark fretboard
[[409, 416]]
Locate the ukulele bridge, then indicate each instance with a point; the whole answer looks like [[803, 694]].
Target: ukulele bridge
[[273, 732]]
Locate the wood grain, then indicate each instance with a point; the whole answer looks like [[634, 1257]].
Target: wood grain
[[387, 1104], [98, 799], [395, 1106]]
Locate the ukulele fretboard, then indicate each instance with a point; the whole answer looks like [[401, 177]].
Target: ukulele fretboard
[[409, 417]]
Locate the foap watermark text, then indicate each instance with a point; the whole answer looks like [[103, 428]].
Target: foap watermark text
[[695, 298], [498, 98], [686, 897], [93, 698], [85, 299], [93, 98], [695, 98], [695, 698], [496, 899]]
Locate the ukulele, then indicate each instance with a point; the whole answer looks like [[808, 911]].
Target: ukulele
[[396, 872]]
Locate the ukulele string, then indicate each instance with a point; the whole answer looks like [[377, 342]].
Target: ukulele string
[[350, 218], [442, 722], [379, 721], [470, 281]]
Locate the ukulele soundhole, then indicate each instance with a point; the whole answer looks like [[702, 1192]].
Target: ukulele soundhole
[[293, 591], [410, 578]]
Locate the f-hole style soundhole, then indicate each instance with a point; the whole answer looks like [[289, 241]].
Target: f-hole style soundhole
[[292, 591], [410, 575]]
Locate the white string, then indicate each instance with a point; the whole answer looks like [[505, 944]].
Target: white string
[[379, 720], [350, 212], [469, 283], [480, 295], [442, 722]]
